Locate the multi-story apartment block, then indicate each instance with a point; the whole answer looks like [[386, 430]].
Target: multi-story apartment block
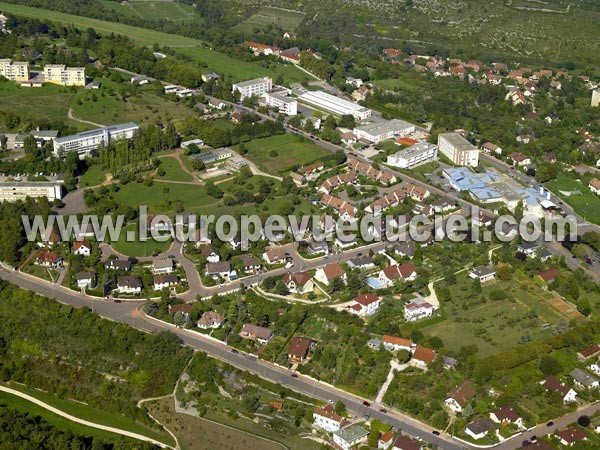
[[66, 76], [12, 190], [251, 88], [15, 71], [86, 142], [458, 150]]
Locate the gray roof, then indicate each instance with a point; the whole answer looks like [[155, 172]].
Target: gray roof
[[130, 282], [457, 140], [480, 426], [583, 377], [481, 271], [111, 129], [381, 127], [84, 276], [218, 267], [351, 433]]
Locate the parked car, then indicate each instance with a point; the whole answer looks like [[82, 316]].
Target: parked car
[[436, 432], [549, 424], [234, 351], [366, 403], [294, 375]]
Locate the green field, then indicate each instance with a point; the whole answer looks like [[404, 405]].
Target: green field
[[495, 325], [107, 106], [40, 104], [266, 16], [586, 204], [291, 151], [162, 9], [93, 176], [86, 412], [394, 84], [173, 170]]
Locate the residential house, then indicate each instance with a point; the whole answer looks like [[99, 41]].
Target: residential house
[[129, 285], [83, 248], [275, 255], [327, 419], [443, 204], [482, 220], [249, 263], [460, 397], [506, 416], [374, 344], [51, 236], [210, 253], [571, 435], [299, 347], [216, 103], [422, 357], [489, 147], [361, 262], [183, 308], [519, 159], [449, 362], [482, 273], [418, 308], [406, 443], [394, 343], [201, 237], [163, 281], [219, 269], [299, 282], [549, 275], [163, 265], [479, 429], [588, 352], [594, 185], [85, 279], [385, 440], [583, 379], [364, 305], [350, 436], [329, 273], [211, 320], [529, 249], [118, 264], [49, 259], [390, 274], [405, 249], [261, 334], [553, 384]]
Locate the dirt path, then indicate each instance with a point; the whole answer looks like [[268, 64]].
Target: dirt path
[[87, 122], [177, 156], [81, 421]]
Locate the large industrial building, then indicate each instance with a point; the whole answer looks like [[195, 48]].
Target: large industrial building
[[13, 189], [384, 129], [86, 142], [414, 155], [252, 88], [65, 76], [458, 150], [286, 105], [335, 105], [15, 71]]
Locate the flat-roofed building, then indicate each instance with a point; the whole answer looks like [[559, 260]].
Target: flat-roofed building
[[63, 75], [384, 129], [12, 189], [413, 155], [458, 150], [15, 71], [252, 88], [286, 105], [87, 142], [335, 105]]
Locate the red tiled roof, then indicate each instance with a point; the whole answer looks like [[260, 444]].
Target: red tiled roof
[[333, 270], [366, 299], [572, 435], [424, 354], [388, 339], [549, 274]]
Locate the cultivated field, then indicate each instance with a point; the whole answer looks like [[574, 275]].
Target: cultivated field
[[286, 19]]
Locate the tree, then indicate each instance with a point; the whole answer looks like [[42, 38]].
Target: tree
[[549, 365], [584, 421], [504, 272], [340, 408]]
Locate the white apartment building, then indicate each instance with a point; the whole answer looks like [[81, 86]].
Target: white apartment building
[[286, 105], [385, 129], [250, 88], [458, 150], [413, 155], [65, 76], [335, 105], [86, 142], [15, 71], [12, 191]]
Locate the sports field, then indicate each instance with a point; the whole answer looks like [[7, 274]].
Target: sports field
[[583, 201]]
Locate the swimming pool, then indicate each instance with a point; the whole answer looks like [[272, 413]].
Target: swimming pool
[[374, 283]]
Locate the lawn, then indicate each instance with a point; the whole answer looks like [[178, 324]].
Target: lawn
[[394, 84], [160, 197], [138, 248], [10, 401], [93, 176], [493, 325], [103, 108], [586, 204], [48, 103], [173, 170], [161, 10], [266, 16], [282, 153], [86, 412]]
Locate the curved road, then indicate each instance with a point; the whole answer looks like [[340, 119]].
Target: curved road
[[98, 426]]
